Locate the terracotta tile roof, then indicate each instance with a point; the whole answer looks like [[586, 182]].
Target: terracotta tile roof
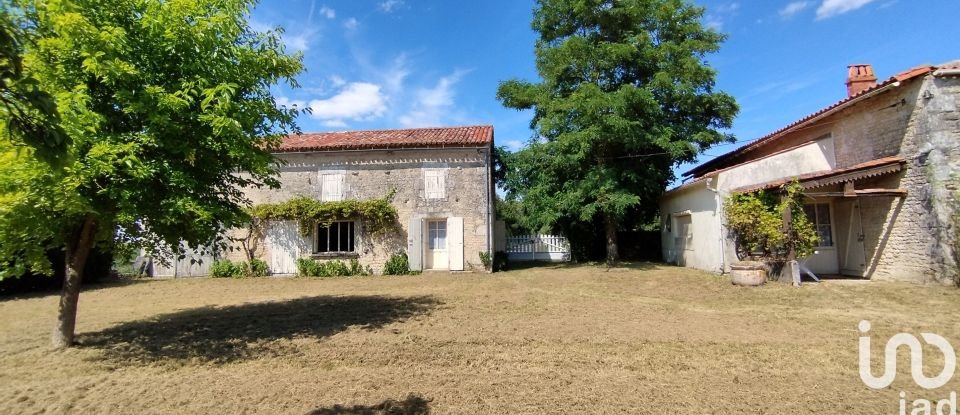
[[821, 178], [720, 161], [439, 137]]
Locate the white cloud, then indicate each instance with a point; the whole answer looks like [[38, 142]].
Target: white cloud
[[299, 42], [337, 81], [328, 12], [793, 8], [514, 145], [356, 101], [389, 6], [830, 8], [351, 23], [433, 105]]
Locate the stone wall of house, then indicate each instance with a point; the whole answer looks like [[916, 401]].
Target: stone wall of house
[[907, 238], [373, 174], [911, 238]]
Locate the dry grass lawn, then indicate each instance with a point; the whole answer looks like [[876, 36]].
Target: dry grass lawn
[[650, 339]]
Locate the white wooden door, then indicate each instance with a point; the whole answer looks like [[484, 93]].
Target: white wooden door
[[824, 260], [455, 243], [437, 252], [284, 242]]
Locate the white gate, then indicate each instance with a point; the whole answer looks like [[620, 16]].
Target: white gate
[[552, 248], [284, 242]]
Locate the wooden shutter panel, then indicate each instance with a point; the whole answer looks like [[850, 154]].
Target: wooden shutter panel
[[415, 244], [455, 243], [434, 184], [331, 188]]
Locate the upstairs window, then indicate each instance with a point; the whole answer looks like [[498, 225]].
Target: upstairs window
[[338, 237], [435, 183], [331, 187]]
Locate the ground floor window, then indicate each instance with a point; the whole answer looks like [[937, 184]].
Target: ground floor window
[[337, 237], [819, 215]]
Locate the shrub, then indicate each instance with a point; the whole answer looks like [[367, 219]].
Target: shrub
[[398, 264], [486, 260], [308, 268], [258, 268], [312, 268], [756, 222], [227, 269], [356, 268]]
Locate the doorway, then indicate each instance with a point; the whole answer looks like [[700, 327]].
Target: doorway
[[437, 254]]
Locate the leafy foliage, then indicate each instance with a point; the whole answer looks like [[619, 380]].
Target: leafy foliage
[[378, 215], [625, 95], [162, 102], [397, 264], [486, 260], [312, 268], [756, 221], [258, 268], [29, 113], [229, 269]]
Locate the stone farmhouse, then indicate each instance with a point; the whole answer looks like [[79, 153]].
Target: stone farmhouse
[[443, 193], [880, 168]]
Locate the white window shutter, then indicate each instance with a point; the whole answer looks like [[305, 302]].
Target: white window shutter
[[331, 187], [455, 243], [415, 244], [434, 184]]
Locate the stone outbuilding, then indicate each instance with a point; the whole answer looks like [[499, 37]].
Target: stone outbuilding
[[442, 187], [880, 171]]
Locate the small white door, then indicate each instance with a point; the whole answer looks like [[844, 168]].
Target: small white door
[[437, 254], [283, 240], [825, 260], [455, 243]]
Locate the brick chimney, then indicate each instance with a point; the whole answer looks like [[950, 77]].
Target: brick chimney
[[859, 78]]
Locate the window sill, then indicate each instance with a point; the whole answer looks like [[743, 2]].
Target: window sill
[[334, 255]]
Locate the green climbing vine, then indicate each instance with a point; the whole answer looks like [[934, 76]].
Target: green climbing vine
[[378, 215], [756, 222]]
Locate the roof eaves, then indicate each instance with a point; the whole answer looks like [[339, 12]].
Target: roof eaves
[[816, 116]]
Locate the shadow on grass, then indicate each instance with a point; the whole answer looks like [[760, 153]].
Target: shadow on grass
[[412, 405], [247, 331]]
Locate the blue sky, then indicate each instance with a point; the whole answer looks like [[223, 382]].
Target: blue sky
[[410, 63]]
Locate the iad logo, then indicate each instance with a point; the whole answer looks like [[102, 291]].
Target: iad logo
[[916, 359], [920, 406]]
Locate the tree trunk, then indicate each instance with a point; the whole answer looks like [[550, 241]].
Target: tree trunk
[[613, 256], [77, 251]]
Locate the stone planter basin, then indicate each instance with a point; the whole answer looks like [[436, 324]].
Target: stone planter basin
[[748, 274]]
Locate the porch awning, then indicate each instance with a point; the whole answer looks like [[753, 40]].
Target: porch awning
[[872, 168]]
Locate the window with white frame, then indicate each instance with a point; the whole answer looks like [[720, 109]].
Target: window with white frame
[[819, 215], [331, 187], [438, 234], [435, 183], [338, 237]]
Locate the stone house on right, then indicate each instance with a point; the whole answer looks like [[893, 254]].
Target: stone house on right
[[881, 172]]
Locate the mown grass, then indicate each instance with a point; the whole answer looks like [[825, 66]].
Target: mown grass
[[574, 339]]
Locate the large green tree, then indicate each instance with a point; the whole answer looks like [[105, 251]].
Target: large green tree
[[163, 102], [29, 114], [625, 95]]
